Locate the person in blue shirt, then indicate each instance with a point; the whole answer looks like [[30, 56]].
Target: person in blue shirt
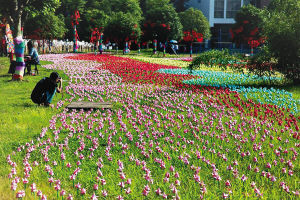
[[46, 88], [33, 58]]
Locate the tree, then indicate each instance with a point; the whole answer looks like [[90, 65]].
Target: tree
[[67, 9], [45, 26], [121, 28], [97, 14], [16, 11], [194, 20], [110, 7], [96, 18], [195, 27], [161, 15], [248, 26], [282, 29]]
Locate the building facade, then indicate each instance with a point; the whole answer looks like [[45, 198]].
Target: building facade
[[220, 14]]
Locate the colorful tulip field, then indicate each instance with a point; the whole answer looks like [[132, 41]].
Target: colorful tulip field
[[165, 138], [242, 84], [179, 62], [187, 59]]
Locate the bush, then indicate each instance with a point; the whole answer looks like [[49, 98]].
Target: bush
[[216, 58], [261, 64]]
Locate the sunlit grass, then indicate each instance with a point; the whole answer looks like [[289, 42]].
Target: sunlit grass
[[21, 120]]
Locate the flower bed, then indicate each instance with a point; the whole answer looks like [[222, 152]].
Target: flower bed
[[159, 142], [242, 84], [136, 71], [166, 61], [188, 59]]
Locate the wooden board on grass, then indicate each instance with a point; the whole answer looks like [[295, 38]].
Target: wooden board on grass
[[88, 105]]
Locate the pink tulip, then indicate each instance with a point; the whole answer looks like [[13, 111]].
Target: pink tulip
[[20, 194], [82, 191], [94, 197]]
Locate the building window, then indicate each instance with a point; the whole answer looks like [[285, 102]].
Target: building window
[[219, 9], [232, 7]]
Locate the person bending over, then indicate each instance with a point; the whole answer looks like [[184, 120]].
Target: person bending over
[[45, 89]]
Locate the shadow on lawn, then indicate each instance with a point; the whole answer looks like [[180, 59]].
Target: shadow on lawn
[[5, 75], [28, 105]]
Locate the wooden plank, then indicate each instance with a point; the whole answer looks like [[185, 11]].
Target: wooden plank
[[80, 103], [87, 105]]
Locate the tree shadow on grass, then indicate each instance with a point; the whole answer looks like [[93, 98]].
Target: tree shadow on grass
[[25, 105], [28, 105], [16, 81], [5, 75]]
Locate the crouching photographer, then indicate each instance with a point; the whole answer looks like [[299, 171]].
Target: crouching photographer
[[46, 88]]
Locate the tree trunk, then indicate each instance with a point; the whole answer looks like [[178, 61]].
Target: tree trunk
[[191, 49], [19, 47]]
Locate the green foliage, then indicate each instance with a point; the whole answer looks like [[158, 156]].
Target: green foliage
[[193, 19], [16, 11], [248, 24], [162, 12], [126, 6], [98, 14], [67, 9], [96, 18], [282, 28], [45, 26], [216, 58], [262, 63], [122, 26]]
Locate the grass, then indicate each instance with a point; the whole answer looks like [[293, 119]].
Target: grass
[[21, 120]]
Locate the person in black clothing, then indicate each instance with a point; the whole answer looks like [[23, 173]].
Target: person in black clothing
[[45, 89]]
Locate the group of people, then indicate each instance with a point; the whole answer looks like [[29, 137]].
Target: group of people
[[47, 87]]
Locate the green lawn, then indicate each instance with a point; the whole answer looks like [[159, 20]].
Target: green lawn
[[21, 120]]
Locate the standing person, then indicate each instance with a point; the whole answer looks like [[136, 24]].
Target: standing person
[[46, 88]]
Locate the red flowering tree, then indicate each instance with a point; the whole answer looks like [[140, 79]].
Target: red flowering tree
[[247, 29], [195, 26], [157, 32], [96, 37], [161, 23], [192, 36]]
